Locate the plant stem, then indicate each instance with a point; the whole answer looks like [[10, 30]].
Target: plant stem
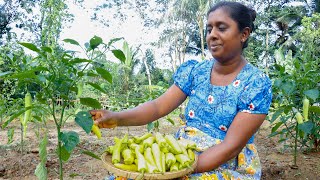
[[295, 147], [59, 154]]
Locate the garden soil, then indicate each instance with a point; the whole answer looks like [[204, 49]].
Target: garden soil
[[277, 162]]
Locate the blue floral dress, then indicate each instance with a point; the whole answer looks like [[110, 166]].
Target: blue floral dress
[[211, 110]]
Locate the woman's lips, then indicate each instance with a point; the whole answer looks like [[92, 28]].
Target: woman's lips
[[215, 47]]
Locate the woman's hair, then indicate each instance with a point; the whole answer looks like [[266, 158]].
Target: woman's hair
[[243, 15]]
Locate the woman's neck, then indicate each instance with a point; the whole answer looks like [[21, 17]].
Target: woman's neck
[[229, 67]]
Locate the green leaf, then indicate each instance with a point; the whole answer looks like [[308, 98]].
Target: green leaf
[[41, 171], [30, 46], [43, 149], [71, 41], [91, 103], [95, 42], [10, 134], [91, 154], [276, 115], [312, 93], [98, 87], [70, 140], [15, 115], [150, 126], [23, 75], [104, 74], [65, 155], [306, 127], [80, 60], [315, 109], [73, 175], [276, 127], [288, 88], [119, 54], [113, 41], [46, 49], [170, 120], [5, 73], [84, 120]]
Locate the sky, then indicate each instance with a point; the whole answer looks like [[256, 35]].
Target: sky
[[83, 28]]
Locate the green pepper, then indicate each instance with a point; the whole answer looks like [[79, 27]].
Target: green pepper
[[183, 160], [174, 167], [191, 155], [109, 149], [187, 144], [149, 156], [148, 142], [151, 168], [116, 150], [299, 118], [138, 140], [128, 167], [134, 145], [128, 157], [174, 145], [170, 160], [27, 114], [141, 162], [305, 108], [157, 155], [160, 140], [163, 162], [96, 130]]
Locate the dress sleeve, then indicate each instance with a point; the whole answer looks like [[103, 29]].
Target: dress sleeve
[[256, 97], [183, 76]]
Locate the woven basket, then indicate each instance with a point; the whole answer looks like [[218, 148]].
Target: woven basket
[[107, 162]]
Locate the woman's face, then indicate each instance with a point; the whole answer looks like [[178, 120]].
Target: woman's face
[[223, 36]]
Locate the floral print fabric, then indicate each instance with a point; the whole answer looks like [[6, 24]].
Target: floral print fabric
[[245, 166], [211, 110]]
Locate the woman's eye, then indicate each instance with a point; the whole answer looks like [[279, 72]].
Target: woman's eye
[[209, 30], [222, 28]]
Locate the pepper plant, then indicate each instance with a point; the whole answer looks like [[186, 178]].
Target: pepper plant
[[59, 75], [296, 90]]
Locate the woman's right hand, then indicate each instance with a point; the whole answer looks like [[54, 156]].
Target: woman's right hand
[[103, 118]]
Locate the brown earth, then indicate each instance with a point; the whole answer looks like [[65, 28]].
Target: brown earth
[[276, 162]]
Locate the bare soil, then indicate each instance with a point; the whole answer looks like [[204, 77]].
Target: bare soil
[[277, 163]]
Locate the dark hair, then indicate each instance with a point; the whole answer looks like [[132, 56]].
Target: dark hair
[[243, 15]]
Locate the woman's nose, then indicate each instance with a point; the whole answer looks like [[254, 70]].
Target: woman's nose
[[212, 33]]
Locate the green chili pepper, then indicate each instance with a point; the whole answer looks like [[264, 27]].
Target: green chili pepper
[[148, 142], [27, 114], [128, 157], [174, 167], [149, 156], [138, 140], [305, 108], [170, 160], [174, 145], [96, 130], [128, 167], [141, 162], [160, 140], [191, 155], [299, 118], [109, 149], [163, 162], [183, 160], [116, 150], [151, 168], [157, 155], [187, 144]]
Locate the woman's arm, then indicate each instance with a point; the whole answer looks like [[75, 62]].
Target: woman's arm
[[239, 132], [144, 113]]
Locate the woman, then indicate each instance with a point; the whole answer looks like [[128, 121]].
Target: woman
[[228, 100]]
